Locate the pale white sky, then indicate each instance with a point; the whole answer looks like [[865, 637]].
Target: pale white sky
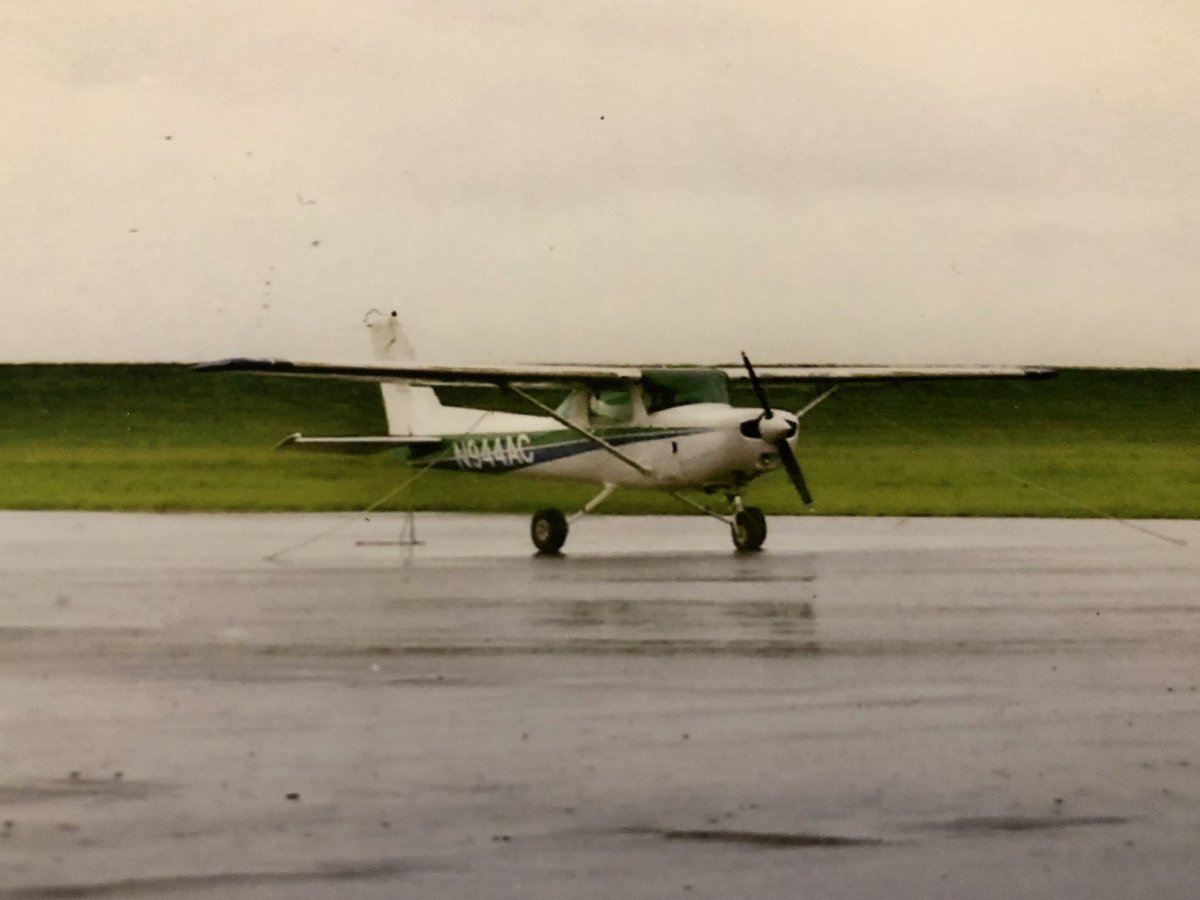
[[934, 181]]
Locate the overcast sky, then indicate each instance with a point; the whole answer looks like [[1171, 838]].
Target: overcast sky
[[617, 180]]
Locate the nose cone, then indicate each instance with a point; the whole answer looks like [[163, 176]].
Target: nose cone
[[779, 427]]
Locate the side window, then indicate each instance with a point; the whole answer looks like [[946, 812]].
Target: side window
[[610, 408]]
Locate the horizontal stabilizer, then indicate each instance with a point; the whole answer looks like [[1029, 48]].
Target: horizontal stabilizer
[[363, 445]]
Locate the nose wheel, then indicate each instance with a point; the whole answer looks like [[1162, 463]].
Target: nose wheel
[[749, 529]]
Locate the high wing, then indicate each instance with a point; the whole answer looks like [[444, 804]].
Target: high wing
[[549, 375], [558, 375], [800, 373]]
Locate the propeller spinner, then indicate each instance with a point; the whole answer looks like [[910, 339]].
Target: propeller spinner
[[776, 430]]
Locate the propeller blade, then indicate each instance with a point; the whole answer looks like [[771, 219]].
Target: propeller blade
[[758, 388], [788, 458]]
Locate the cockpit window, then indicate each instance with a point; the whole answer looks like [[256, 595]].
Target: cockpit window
[[668, 388]]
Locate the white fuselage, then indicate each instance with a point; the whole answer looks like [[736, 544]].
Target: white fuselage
[[696, 445]]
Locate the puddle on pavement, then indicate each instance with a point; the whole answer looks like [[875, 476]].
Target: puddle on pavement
[[757, 838], [985, 824], [114, 788], [158, 886]]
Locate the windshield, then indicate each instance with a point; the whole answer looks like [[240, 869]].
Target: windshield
[[667, 388]]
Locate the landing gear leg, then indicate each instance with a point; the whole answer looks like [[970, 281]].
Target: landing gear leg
[[594, 502], [548, 530]]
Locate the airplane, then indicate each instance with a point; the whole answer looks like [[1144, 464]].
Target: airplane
[[666, 427]]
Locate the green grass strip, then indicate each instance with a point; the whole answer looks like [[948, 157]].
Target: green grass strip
[[149, 437]]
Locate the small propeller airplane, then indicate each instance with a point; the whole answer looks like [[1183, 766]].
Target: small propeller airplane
[[665, 427]]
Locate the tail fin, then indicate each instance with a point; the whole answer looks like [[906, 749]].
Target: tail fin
[[410, 409]]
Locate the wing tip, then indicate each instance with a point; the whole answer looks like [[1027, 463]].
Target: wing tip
[[1040, 373]]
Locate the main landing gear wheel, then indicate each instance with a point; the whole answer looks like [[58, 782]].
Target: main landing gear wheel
[[548, 530], [749, 529]]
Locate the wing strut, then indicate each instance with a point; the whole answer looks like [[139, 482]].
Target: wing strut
[[813, 404], [580, 430]]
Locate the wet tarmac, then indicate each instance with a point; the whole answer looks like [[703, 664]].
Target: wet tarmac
[[293, 706]]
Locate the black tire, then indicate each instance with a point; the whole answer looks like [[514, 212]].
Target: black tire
[[749, 529], [548, 530]]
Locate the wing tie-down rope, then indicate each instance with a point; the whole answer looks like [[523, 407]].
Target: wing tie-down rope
[[346, 523], [1025, 482]]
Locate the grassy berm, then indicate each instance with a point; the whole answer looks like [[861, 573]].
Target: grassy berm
[[1124, 443]]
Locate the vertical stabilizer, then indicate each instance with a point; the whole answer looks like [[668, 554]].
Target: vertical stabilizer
[[410, 409]]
